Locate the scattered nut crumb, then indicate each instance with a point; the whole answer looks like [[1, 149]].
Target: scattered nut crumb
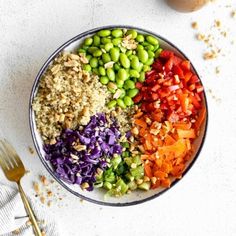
[[217, 23], [49, 193], [210, 55], [28, 223], [36, 188], [217, 70], [200, 37], [44, 180], [194, 25], [16, 231], [42, 199], [31, 150], [233, 14]]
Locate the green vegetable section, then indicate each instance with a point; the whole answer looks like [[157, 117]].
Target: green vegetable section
[[125, 173], [120, 58]]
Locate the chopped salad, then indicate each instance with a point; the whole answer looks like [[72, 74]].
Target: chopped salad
[[120, 114]]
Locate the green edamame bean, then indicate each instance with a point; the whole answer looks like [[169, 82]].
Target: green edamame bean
[[104, 33], [135, 62], [149, 47], [156, 47], [119, 82], [122, 93], [128, 101], [102, 71], [112, 86], [158, 52], [88, 57], [108, 46], [106, 57], [104, 80], [100, 62], [133, 33], [142, 55], [129, 52], [140, 38], [116, 41], [121, 103], [152, 40], [115, 54], [97, 53], [129, 84], [111, 74], [149, 61], [81, 50], [95, 71], [131, 57], [116, 66], [134, 73], [88, 41], [145, 43], [132, 92], [123, 49], [140, 67], [139, 47], [146, 68], [111, 104], [93, 62], [87, 67], [151, 54], [124, 60], [105, 40], [122, 74], [91, 50], [117, 33], [85, 47], [112, 90], [141, 77], [96, 40]]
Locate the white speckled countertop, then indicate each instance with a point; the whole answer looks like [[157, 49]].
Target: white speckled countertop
[[204, 202]]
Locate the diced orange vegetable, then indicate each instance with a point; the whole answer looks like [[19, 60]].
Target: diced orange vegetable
[[169, 140], [200, 119], [182, 125], [140, 123], [148, 171], [165, 183], [186, 133], [160, 174]]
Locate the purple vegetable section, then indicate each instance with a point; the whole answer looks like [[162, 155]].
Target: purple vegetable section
[[101, 139]]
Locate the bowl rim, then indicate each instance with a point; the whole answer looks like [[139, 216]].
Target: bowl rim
[[32, 95]]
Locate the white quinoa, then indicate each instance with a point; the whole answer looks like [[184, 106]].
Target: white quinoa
[[67, 96]]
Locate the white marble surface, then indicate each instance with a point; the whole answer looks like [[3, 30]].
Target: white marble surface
[[204, 202]]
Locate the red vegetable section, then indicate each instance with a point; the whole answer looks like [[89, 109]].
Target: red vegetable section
[[169, 118]]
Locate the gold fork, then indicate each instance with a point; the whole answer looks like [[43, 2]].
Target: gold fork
[[14, 170]]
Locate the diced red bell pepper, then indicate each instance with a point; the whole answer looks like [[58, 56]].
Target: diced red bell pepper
[[169, 64], [155, 96], [166, 54], [158, 66], [138, 85], [155, 87], [173, 117], [185, 65], [178, 71], [137, 98], [173, 88]]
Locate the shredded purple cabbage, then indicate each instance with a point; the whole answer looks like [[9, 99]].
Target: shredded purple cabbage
[[78, 167]]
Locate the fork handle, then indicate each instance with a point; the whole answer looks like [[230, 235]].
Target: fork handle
[[29, 210]]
